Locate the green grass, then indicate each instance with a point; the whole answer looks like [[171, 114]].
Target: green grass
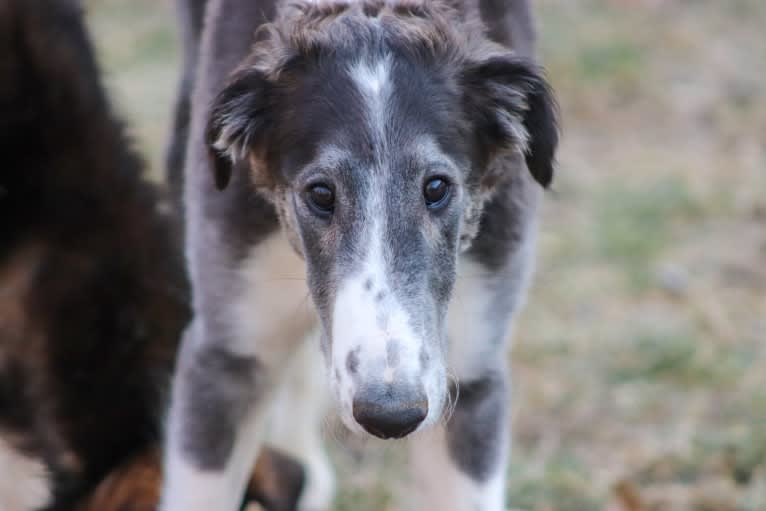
[[562, 484], [609, 60], [138, 51], [352, 499], [633, 224], [675, 357], [653, 357]]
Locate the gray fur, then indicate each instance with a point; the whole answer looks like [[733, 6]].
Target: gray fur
[[265, 114], [221, 226], [190, 16], [510, 22], [392, 353], [515, 202], [478, 426], [212, 396], [215, 389], [352, 361]]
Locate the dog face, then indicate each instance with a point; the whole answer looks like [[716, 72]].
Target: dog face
[[378, 133]]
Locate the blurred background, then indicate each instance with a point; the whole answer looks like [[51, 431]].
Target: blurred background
[[640, 361]]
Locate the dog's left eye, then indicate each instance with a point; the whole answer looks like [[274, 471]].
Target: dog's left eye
[[436, 192], [321, 198]]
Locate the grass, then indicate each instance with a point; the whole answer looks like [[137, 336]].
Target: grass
[[562, 484], [139, 56], [634, 223], [639, 364]]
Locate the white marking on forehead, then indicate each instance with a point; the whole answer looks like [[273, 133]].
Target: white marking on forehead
[[372, 78]]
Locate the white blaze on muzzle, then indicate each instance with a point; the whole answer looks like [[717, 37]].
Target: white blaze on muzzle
[[370, 323], [378, 357], [380, 377]]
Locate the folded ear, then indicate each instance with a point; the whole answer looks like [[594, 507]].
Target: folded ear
[[239, 124], [512, 105]]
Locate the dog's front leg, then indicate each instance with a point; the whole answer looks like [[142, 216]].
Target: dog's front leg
[[215, 426], [295, 424], [461, 466]]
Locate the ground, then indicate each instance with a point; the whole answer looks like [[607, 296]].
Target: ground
[[640, 361]]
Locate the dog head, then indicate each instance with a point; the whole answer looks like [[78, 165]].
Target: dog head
[[378, 132]]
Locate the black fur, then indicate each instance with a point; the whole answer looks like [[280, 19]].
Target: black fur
[[93, 294], [513, 201], [246, 107], [476, 430], [105, 293], [507, 85]]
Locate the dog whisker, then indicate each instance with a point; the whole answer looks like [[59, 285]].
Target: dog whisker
[[449, 410]]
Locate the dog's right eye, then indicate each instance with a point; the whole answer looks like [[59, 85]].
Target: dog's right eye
[[321, 198], [436, 192]]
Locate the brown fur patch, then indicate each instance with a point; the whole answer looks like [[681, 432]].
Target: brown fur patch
[[276, 483]]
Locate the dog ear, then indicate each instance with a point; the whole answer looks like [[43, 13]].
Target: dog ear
[[239, 123], [513, 105]]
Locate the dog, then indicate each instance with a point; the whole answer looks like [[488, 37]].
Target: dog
[[361, 189], [93, 291]]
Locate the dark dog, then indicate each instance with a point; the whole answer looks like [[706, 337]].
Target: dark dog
[[362, 174], [93, 295]]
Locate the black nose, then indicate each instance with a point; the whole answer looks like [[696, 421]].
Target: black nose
[[386, 413]]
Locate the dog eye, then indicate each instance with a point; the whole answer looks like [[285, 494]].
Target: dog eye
[[321, 198], [436, 192]]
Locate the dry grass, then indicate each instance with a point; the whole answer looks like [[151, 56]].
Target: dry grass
[[640, 363]]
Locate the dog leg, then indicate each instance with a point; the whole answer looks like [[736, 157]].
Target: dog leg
[[277, 481], [216, 426], [299, 409], [232, 358], [190, 16], [461, 466]]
